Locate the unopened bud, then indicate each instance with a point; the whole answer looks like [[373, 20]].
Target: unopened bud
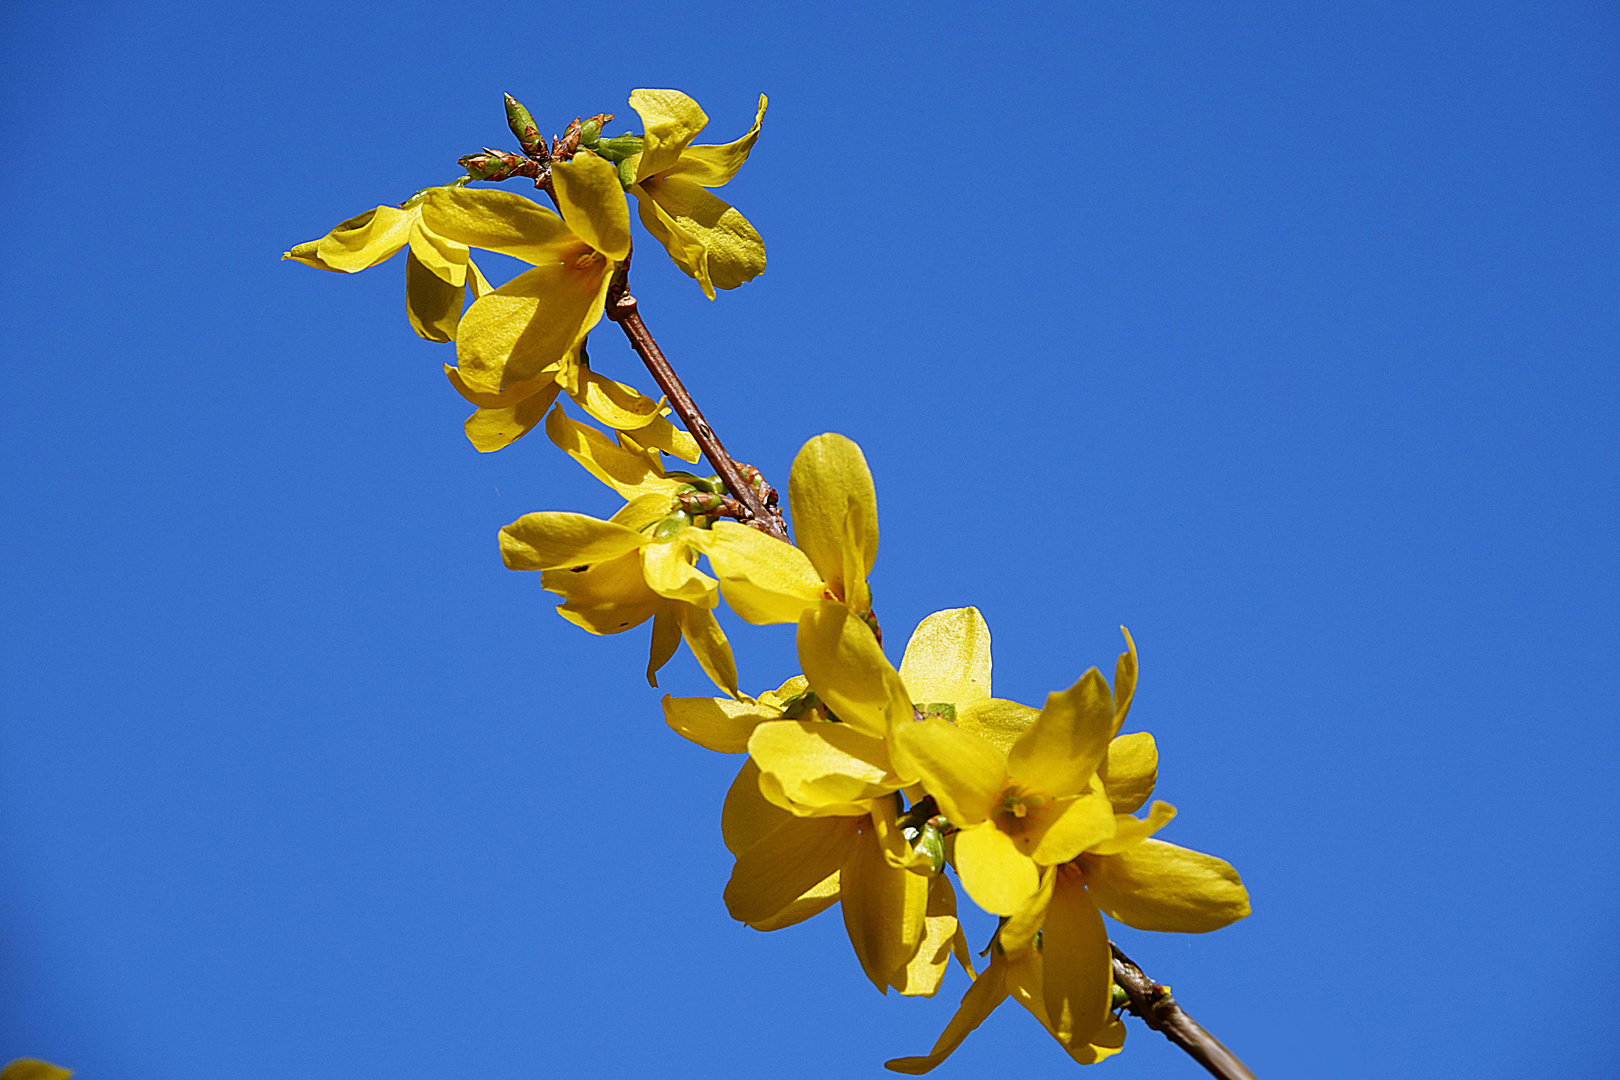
[[619, 147], [1120, 998], [524, 128], [669, 526], [496, 165]]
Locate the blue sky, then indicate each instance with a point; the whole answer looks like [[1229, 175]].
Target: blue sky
[[1283, 334]]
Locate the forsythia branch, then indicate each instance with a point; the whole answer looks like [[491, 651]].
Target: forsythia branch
[[1153, 1003]]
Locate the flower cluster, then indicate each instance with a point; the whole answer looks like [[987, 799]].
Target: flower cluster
[[865, 785]]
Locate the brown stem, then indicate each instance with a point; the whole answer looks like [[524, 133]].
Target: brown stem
[[1160, 1012], [621, 308]]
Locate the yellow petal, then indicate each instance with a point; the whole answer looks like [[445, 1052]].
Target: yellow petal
[[628, 473], [359, 243], [885, 909], [716, 723], [1124, 681], [847, 668], [613, 403], [477, 283], [1017, 934], [733, 252], [668, 567], [828, 480], [503, 399], [1060, 752], [669, 120], [442, 256], [492, 429], [746, 815], [607, 598], [500, 221], [998, 722], [1083, 822], [34, 1069], [642, 511], [1100, 1044], [593, 203], [1000, 878], [765, 580], [963, 772], [948, 659], [1130, 770], [535, 320], [685, 250], [822, 896], [1076, 964], [786, 863], [659, 434], [1130, 831], [981, 999], [555, 538], [666, 639], [1159, 886], [708, 644], [432, 305], [818, 763], [713, 166], [922, 974]]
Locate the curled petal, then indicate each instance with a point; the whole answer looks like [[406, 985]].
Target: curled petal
[[533, 321], [981, 999], [1060, 752], [493, 429], [669, 121], [707, 641], [716, 723], [790, 860], [629, 473], [432, 304], [359, 243], [765, 580], [1130, 831], [705, 236], [1159, 886], [1130, 770], [712, 166], [500, 221], [817, 763], [552, 539], [847, 668]]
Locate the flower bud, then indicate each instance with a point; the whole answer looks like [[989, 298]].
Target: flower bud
[[619, 147], [524, 128]]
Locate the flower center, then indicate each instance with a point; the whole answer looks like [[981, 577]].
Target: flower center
[[1013, 812]]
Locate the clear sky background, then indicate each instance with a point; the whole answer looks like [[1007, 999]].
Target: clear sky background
[[1283, 334]]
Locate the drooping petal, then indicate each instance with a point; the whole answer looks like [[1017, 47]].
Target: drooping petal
[[670, 573], [786, 863], [1124, 681], [630, 474], [642, 511], [818, 763], [999, 722], [669, 121], [1130, 831], [922, 974], [847, 668], [359, 243], [504, 399], [502, 221], [593, 203], [621, 407], [1017, 935], [948, 659], [733, 252], [962, 771], [533, 321], [1159, 886], [493, 429], [765, 580], [828, 479], [1060, 752], [885, 909], [715, 723], [746, 816], [822, 896], [1084, 822], [708, 644], [1130, 770], [607, 598], [556, 538], [715, 165], [1100, 1044], [1076, 964], [981, 999], [1000, 878], [432, 304], [440, 255], [666, 639], [659, 434]]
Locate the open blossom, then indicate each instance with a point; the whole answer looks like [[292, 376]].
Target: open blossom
[[614, 575], [438, 270], [704, 235]]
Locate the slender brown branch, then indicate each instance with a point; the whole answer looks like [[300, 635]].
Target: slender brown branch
[[1160, 1012], [621, 308]]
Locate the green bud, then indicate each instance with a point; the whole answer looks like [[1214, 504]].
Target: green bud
[[627, 174], [712, 484], [589, 132], [524, 128], [670, 526], [1120, 998], [931, 843], [619, 147], [800, 705]]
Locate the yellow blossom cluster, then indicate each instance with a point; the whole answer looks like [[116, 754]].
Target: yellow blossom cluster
[[865, 785]]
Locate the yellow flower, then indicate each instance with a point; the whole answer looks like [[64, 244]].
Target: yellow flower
[[520, 345], [638, 565], [835, 526], [705, 236], [1027, 802], [437, 269], [34, 1069]]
